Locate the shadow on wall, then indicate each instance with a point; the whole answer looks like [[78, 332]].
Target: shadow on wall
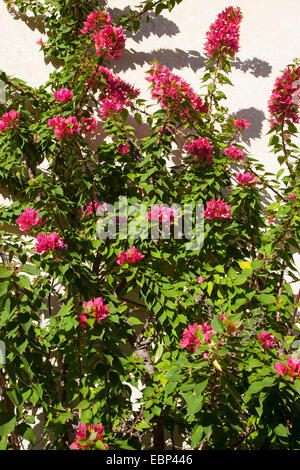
[[256, 117]]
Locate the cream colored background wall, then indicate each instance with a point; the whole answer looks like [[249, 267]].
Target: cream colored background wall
[[269, 41]]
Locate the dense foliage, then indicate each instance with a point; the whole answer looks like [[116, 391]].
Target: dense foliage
[[208, 334]]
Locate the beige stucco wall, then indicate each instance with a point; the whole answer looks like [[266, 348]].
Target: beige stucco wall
[[269, 41]]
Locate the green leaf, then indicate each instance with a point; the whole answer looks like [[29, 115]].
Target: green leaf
[[7, 423]]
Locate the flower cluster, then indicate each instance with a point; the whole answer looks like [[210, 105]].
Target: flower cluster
[[9, 120], [246, 178], [94, 309], [281, 105], [116, 94], [235, 152], [63, 95], [96, 19], [64, 126], [27, 219], [94, 206], [201, 148], [224, 34], [163, 214], [131, 256], [49, 241], [292, 368], [217, 210], [171, 91], [267, 340], [89, 125], [88, 437], [123, 149], [190, 339], [109, 42], [241, 124]]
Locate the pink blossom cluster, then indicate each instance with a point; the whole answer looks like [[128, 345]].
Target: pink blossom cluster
[[190, 339], [292, 368], [246, 178], [94, 309], [89, 125], [109, 42], [163, 214], [116, 94], [64, 126], [281, 105], [83, 434], [224, 34], [63, 95], [131, 256], [217, 210], [123, 149], [235, 152], [201, 148], [292, 196], [27, 219], [49, 241], [96, 20], [94, 205], [9, 120], [267, 340], [167, 86], [201, 279], [241, 123]]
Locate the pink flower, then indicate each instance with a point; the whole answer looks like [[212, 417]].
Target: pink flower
[[266, 339], [123, 149], [84, 432], [173, 92], [281, 104], [129, 257], [281, 369], [292, 196], [201, 148], [190, 339], [96, 19], [98, 207], [64, 126], [89, 125], [246, 178], [271, 219], [63, 95], [8, 120], [115, 94], [27, 219], [93, 309], [241, 123], [201, 279], [40, 42], [223, 36], [109, 42], [292, 368], [162, 214], [235, 153], [217, 209], [49, 241]]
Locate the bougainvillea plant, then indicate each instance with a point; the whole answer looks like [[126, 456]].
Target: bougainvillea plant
[[208, 335]]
